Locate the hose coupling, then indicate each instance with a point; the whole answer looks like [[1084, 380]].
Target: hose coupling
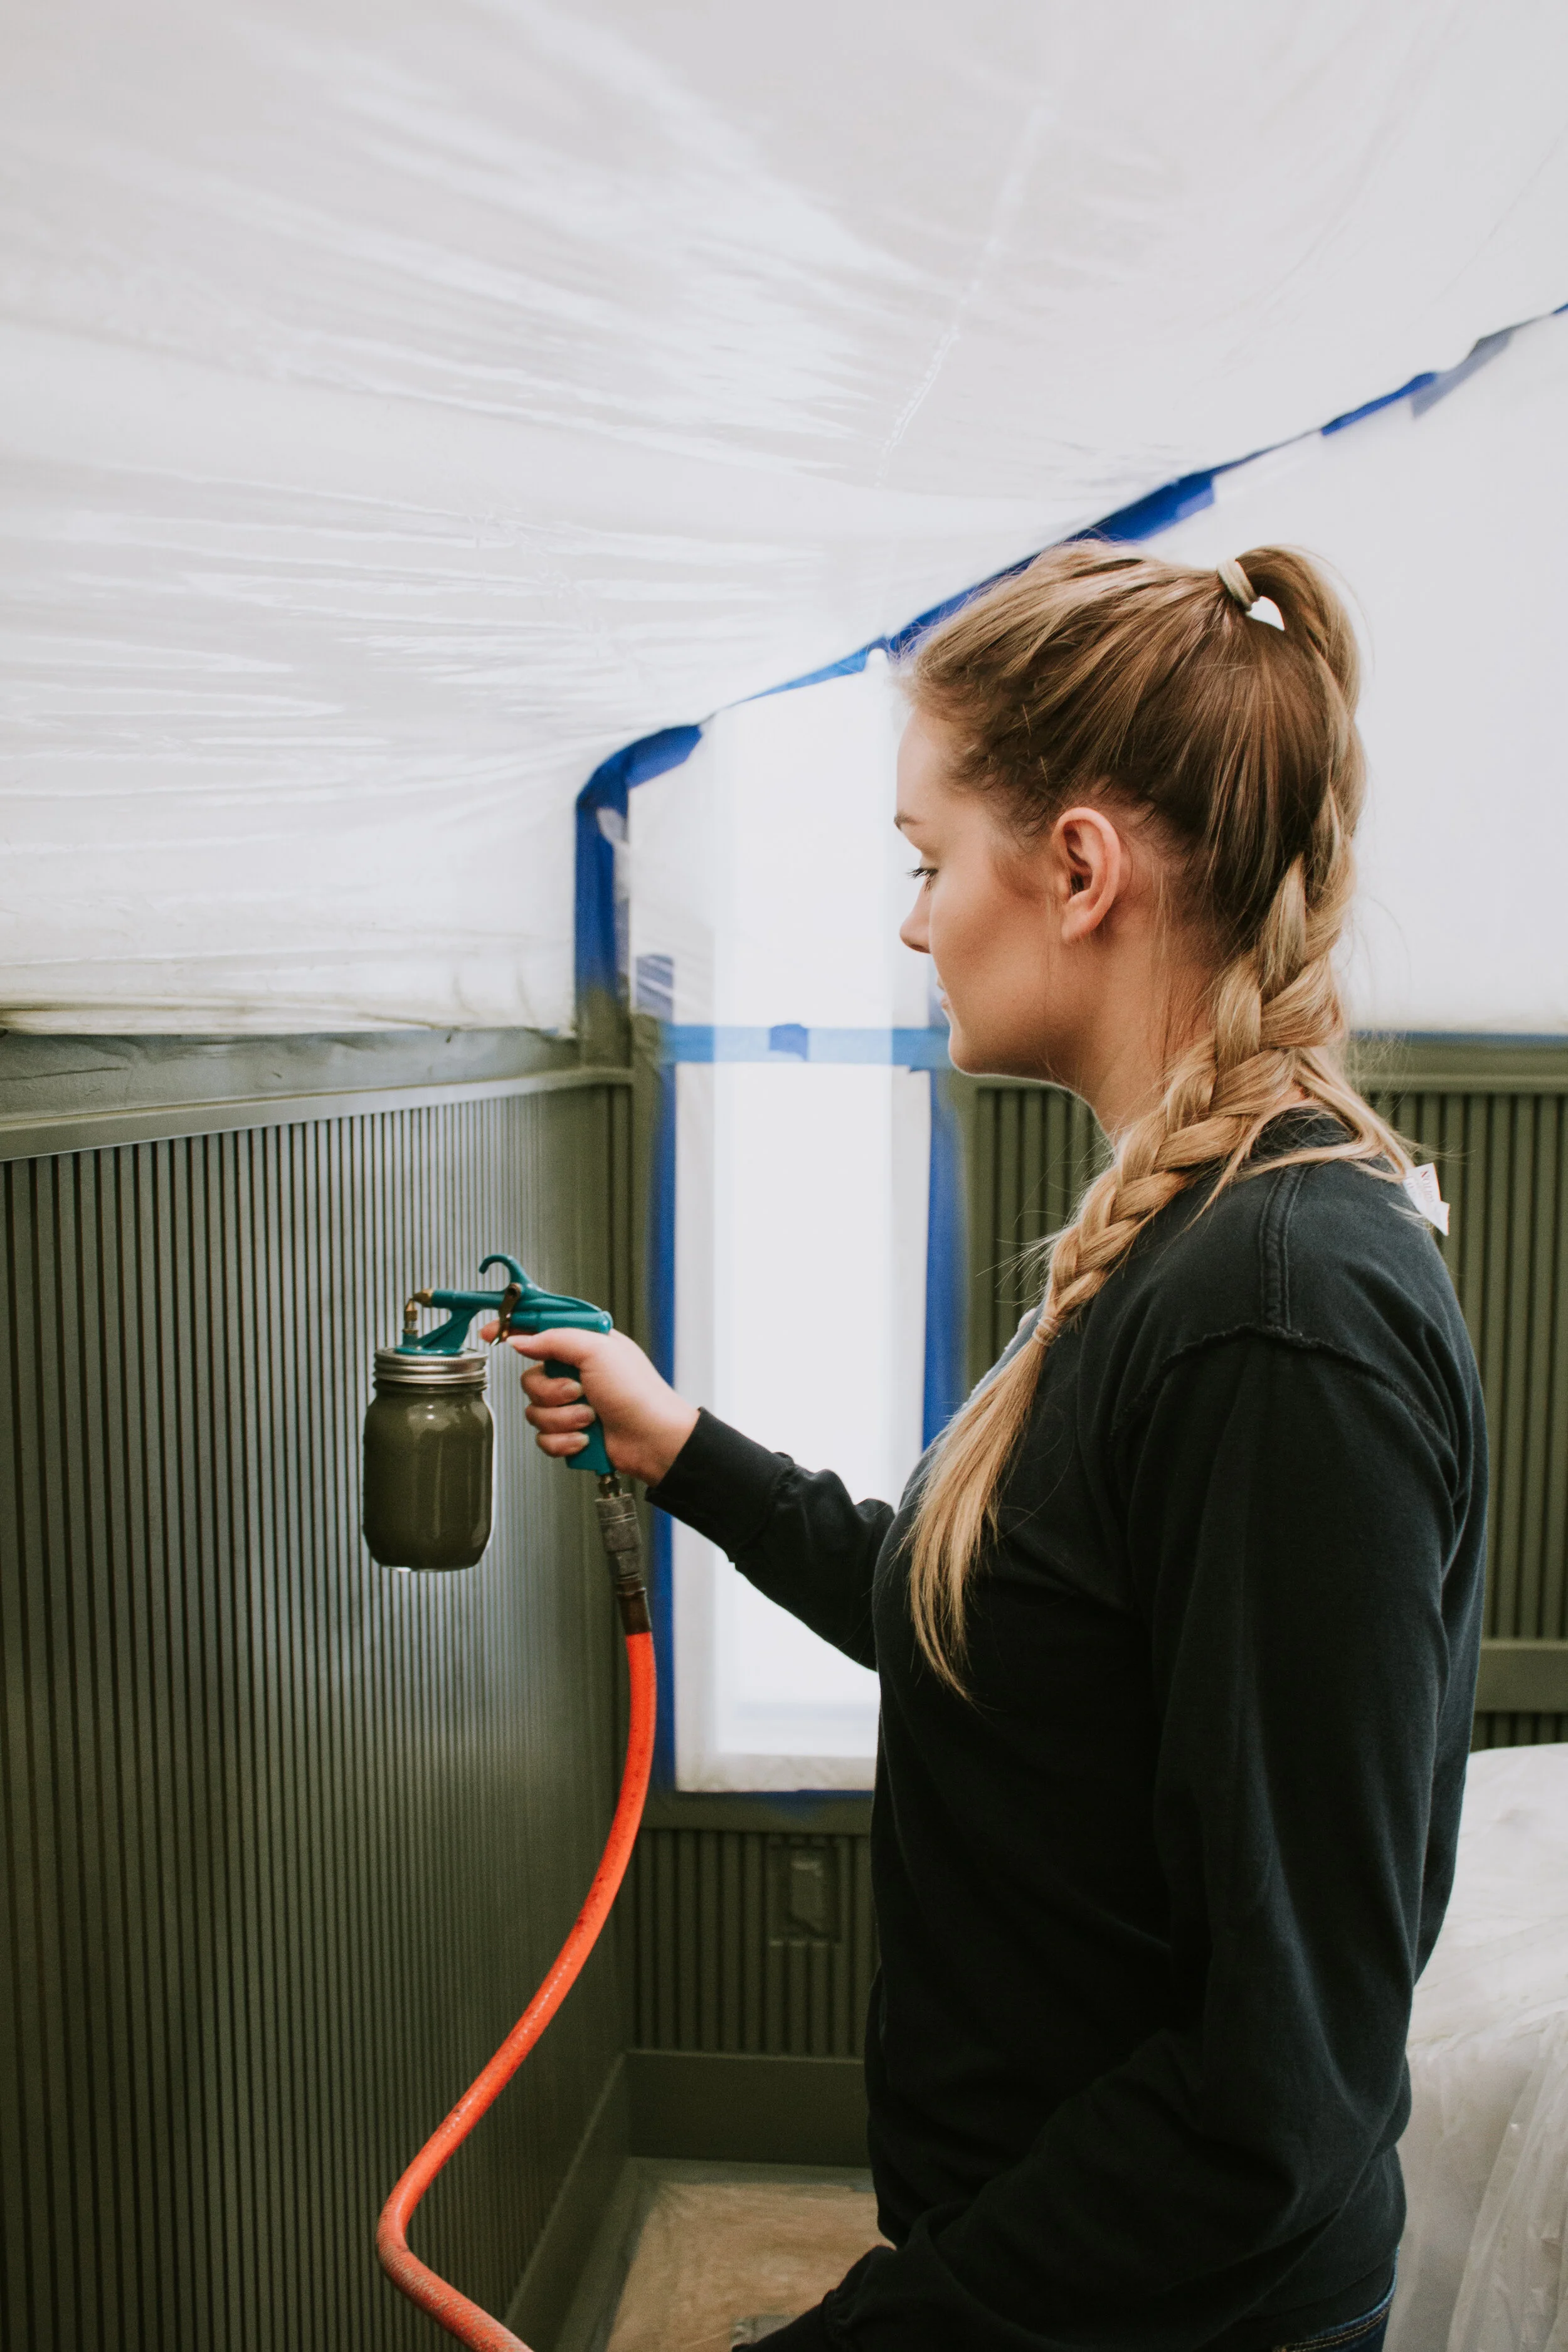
[[621, 1539]]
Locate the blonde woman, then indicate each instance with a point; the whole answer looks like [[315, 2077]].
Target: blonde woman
[[1177, 1624]]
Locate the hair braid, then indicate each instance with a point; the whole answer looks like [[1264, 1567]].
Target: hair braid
[[1272, 1035]]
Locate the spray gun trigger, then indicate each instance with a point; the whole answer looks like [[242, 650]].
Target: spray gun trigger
[[509, 1298]]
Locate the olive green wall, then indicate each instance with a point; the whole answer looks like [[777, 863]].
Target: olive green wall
[[289, 1839]]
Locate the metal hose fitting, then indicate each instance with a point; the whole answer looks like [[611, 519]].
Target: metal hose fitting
[[621, 1540]]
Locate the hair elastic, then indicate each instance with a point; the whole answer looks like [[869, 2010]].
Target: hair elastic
[[1235, 581]]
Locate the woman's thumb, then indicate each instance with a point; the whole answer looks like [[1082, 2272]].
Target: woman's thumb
[[556, 1347]]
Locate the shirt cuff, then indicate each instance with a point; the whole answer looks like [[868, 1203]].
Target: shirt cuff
[[722, 1483]]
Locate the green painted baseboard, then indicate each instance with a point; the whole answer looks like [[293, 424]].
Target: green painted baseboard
[[1522, 1678], [747, 2110], [551, 2284]]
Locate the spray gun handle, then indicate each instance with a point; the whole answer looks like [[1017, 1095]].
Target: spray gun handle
[[593, 1455], [523, 1305], [526, 1308]]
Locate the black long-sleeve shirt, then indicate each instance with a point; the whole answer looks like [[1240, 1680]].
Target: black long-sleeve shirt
[[1152, 1898]]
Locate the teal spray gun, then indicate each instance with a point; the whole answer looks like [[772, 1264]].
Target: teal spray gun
[[428, 1437], [427, 1503]]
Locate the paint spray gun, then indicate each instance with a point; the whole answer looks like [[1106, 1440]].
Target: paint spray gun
[[429, 1446], [429, 1441]]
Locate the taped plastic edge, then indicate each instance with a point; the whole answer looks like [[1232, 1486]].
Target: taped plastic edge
[[594, 946]]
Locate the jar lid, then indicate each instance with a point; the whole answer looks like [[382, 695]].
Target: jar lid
[[400, 1367]]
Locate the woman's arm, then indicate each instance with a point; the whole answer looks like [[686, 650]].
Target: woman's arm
[[1290, 1519], [797, 1534]]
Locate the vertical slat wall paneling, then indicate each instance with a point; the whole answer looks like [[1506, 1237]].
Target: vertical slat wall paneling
[[727, 1957], [1500, 1143], [1032, 1149], [289, 1839], [1495, 1121]]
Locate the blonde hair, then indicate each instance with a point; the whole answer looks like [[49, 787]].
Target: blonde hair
[[1099, 672]]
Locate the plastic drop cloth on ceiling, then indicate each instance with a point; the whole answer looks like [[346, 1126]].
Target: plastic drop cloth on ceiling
[[402, 405], [1446, 514]]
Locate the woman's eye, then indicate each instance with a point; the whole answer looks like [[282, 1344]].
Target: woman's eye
[[922, 872]]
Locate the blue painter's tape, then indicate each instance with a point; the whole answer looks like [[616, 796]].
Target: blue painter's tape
[[1158, 511], [789, 1041], [897, 641], [947, 1264], [1385, 400], [850, 667], [597, 953]]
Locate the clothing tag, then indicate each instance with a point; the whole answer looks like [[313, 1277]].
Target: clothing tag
[[1422, 1186]]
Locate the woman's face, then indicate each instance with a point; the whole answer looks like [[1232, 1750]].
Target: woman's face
[[983, 915]]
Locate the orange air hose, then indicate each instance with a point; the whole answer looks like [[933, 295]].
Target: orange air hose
[[452, 2310]]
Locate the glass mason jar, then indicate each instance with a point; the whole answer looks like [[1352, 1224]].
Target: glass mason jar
[[429, 1445]]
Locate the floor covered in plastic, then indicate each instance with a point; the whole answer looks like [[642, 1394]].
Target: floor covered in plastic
[[722, 2253]]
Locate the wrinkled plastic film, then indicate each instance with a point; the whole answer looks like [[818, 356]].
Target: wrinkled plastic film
[[402, 410], [1485, 2153]]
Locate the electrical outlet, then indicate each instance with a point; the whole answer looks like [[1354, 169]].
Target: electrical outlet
[[804, 1904]]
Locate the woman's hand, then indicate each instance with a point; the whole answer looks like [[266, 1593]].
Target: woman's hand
[[646, 1423]]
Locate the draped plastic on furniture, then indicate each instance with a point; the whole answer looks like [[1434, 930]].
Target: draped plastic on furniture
[[1484, 2262], [401, 408]]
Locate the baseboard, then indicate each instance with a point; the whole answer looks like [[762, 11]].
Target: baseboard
[[747, 2110], [1522, 1678], [554, 2282]]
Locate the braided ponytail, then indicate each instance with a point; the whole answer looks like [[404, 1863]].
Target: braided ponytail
[[1099, 672]]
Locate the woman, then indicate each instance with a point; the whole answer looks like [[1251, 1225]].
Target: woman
[[1177, 1625]]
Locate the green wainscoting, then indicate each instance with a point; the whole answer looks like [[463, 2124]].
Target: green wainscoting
[[288, 1838]]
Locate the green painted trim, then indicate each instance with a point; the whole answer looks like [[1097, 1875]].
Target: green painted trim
[[747, 2109], [591, 2314], [1522, 1678], [812, 1813], [560, 2264], [30, 1137], [1417, 1065], [1511, 1065]]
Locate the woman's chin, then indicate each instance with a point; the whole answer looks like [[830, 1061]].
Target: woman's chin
[[982, 1057], [961, 1052]]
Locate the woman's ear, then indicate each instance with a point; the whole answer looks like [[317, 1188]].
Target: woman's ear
[[1091, 864]]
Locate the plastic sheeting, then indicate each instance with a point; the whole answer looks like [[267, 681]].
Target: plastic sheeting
[[401, 407], [1484, 2265], [1447, 515]]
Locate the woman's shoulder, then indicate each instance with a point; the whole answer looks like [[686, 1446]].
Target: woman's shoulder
[[1331, 1255]]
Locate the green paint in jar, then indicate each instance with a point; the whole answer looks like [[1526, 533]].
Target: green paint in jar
[[429, 1443]]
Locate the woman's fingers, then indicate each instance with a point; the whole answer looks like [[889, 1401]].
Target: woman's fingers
[[645, 1423], [558, 1417], [560, 1447]]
